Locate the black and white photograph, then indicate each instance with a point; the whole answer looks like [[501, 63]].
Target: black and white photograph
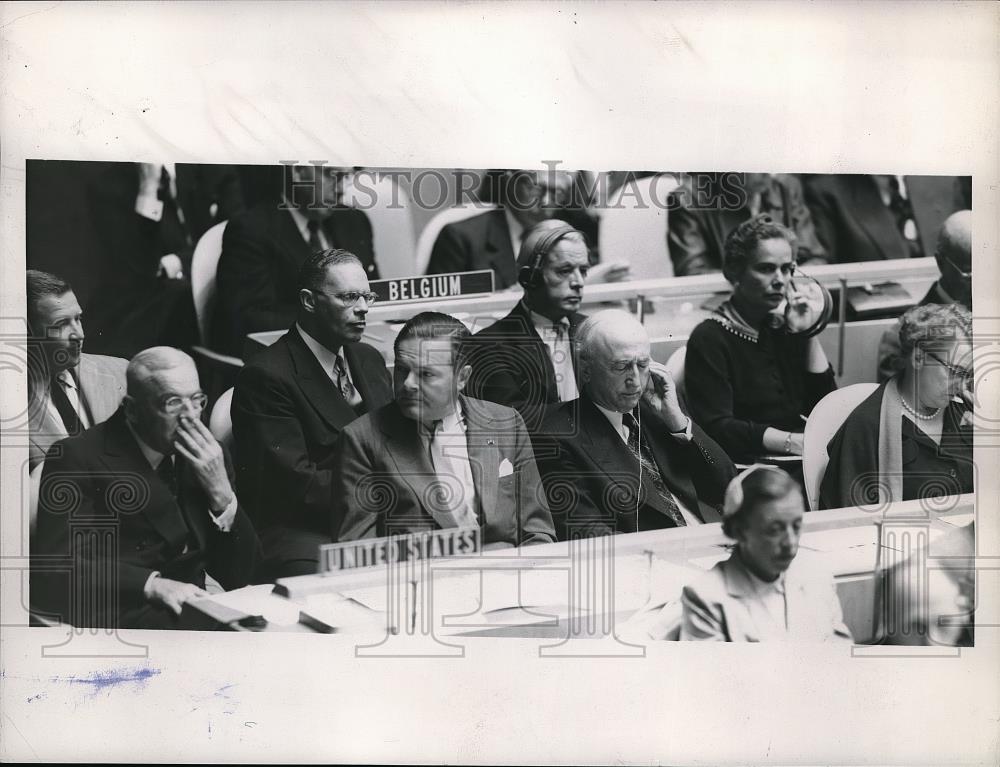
[[500, 383]]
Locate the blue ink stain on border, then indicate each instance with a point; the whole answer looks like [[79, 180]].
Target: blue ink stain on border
[[106, 680]]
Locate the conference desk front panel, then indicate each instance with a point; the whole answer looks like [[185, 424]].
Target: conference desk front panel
[[603, 582]]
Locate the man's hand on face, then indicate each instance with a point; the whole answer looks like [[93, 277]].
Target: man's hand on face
[[203, 452]]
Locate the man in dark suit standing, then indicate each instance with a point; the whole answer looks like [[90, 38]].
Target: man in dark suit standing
[[263, 249], [624, 457], [291, 403], [872, 217], [68, 390], [525, 360], [435, 459], [138, 508]]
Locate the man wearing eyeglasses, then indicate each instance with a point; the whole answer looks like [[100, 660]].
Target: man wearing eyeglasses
[[954, 286], [137, 509], [290, 404]]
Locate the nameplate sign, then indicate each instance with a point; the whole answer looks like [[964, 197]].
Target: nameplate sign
[[434, 286], [459, 541]]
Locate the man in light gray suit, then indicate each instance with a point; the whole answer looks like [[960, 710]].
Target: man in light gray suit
[[68, 391]]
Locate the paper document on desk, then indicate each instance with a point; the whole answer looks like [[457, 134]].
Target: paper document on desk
[[332, 613], [258, 600]]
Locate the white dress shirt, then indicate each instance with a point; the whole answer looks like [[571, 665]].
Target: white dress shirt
[[73, 395], [769, 609], [326, 358], [617, 422], [302, 224], [560, 353], [449, 452]]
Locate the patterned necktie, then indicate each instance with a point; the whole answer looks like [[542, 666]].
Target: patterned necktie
[[314, 241], [70, 417], [651, 475], [344, 385], [902, 211]]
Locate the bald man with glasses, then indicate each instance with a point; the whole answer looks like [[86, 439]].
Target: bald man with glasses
[[292, 401], [133, 512]]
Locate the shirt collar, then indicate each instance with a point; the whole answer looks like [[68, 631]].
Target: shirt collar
[[300, 218], [613, 416], [326, 358], [153, 457], [544, 324], [67, 377]]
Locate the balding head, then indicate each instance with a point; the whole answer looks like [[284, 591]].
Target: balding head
[[163, 388], [613, 350], [954, 256]]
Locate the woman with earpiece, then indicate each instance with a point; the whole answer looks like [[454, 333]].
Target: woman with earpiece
[[912, 438], [761, 592], [748, 380]]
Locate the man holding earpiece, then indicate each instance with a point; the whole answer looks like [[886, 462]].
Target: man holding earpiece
[[623, 457], [525, 360]]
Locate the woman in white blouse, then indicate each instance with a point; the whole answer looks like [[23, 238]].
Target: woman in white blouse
[[761, 593]]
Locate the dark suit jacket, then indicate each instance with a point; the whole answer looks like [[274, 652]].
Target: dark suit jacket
[[591, 477], [855, 225], [107, 519], [479, 242], [131, 308], [384, 476], [257, 279], [511, 366], [696, 235], [287, 415]]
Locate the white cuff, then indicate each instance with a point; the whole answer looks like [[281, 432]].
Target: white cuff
[[149, 207], [147, 589], [685, 435], [225, 520]]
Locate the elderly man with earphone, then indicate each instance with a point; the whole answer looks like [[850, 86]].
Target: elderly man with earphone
[[623, 457]]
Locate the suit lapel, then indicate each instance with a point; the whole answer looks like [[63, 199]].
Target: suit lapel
[[98, 389], [317, 386], [740, 587], [607, 449], [365, 378], [121, 451], [484, 459], [871, 215], [413, 465], [677, 480], [521, 317]]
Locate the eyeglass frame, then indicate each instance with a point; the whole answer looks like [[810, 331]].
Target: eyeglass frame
[[370, 297], [198, 399], [964, 275], [963, 373]]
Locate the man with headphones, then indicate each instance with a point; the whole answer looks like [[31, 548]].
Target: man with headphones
[[624, 457], [525, 360]]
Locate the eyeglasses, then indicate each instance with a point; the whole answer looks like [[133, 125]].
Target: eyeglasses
[[963, 274], [351, 297], [955, 371], [174, 405]]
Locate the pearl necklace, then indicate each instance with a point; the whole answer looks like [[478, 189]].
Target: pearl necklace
[[915, 414]]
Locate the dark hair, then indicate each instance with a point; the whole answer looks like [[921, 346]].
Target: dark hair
[[437, 325], [39, 285], [758, 486], [313, 269], [742, 242], [933, 326]]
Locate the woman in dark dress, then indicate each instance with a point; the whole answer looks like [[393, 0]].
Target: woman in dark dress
[[912, 438], [749, 384]]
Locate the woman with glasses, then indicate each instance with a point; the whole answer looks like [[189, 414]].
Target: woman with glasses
[[748, 382], [763, 592], [912, 438]]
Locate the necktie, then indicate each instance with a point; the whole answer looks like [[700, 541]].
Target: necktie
[[453, 498], [69, 415], [562, 364], [651, 475], [314, 241], [344, 385], [902, 211], [167, 471]]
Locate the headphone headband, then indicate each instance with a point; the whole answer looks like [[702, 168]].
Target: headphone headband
[[539, 248], [734, 492]]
